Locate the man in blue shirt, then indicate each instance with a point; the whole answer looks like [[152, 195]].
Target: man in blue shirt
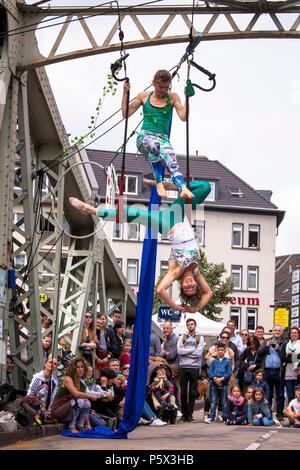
[[268, 355]]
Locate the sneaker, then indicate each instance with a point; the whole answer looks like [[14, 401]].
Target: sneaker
[[286, 424], [219, 419], [179, 414], [208, 420], [157, 422], [143, 421], [297, 423]]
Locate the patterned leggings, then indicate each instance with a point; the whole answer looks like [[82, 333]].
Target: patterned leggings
[[158, 150], [81, 408]]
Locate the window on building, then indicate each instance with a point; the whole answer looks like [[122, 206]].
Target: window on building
[[130, 184], [236, 276], [163, 267], [117, 231], [235, 314], [236, 192], [212, 194], [253, 236], [199, 229], [133, 231], [132, 271], [251, 319], [46, 225], [252, 281], [237, 235]]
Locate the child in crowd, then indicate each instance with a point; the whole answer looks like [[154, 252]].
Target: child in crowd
[[125, 355], [249, 393], [94, 389], [125, 374], [219, 373], [259, 382], [162, 389], [235, 411], [259, 410], [293, 410]]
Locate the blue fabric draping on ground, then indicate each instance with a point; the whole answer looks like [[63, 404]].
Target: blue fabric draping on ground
[[139, 359]]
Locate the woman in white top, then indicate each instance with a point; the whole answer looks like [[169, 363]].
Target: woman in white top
[[290, 360]]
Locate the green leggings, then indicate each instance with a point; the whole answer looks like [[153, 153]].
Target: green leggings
[[163, 220]]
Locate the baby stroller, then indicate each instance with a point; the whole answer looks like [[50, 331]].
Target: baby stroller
[[167, 414]]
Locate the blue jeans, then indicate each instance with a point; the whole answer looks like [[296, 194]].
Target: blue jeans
[[147, 412], [273, 379], [290, 389], [216, 394], [263, 421]]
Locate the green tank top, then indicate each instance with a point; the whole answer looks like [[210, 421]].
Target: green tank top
[[157, 119]]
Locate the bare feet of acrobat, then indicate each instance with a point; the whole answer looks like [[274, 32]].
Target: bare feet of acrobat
[[82, 206], [185, 193]]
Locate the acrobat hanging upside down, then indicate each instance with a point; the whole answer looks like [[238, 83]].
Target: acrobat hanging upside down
[[184, 259]]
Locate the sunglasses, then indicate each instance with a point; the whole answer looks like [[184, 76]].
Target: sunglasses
[[125, 368], [224, 337], [88, 316]]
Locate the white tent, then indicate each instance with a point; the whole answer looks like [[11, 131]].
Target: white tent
[[205, 326]]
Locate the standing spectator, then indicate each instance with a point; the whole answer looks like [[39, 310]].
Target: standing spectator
[[244, 335], [169, 344], [125, 355], [89, 341], [155, 345], [259, 410], [237, 340], [293, 410], [190, 350], [116, 316], [71, 403], [229, 352], [290, 357], [236, 408], [46, 321], [229, 331], [259, 332], [47, 345], [219, 373], [107, 347], [248, 362], [119, 329], [268, 356]]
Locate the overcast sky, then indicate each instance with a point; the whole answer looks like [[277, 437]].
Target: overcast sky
[[249, 122]]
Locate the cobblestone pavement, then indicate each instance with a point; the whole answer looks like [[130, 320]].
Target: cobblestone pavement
[[182, 436]]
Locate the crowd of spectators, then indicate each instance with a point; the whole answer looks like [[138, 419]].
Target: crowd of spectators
[[250, 379]]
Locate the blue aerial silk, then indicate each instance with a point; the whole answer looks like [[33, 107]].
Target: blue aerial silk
[[139, 358]]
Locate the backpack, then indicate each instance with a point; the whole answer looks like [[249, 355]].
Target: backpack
[[7, 393], [185, 336]]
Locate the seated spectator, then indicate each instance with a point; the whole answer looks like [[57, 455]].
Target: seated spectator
[[89, 341], [162, 389], [155, 345], [71, 404], [107, 347], [47, 345], [9, 369], [293, 410], [103, 405], [236, 409], [219, 373], [93, 389], [125, 354], [119, 329], [150, 417], [259, 410], [249, 393], [42, 390], [125, 373], [118, 403], [259, 382], [114, 364]]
